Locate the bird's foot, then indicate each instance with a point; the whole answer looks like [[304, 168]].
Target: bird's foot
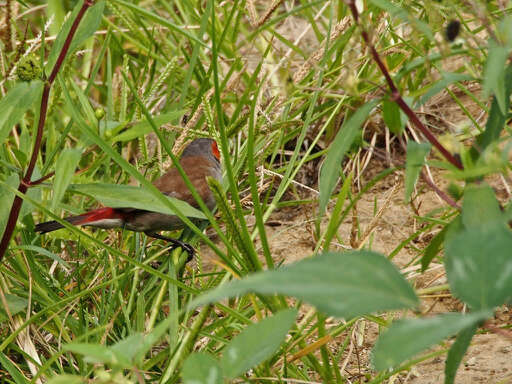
[[187, 248], [175, 244]]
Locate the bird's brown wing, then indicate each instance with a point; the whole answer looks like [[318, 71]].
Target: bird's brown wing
[[197, 169]]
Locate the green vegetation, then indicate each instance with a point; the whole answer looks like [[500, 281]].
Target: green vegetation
[[285, 88]]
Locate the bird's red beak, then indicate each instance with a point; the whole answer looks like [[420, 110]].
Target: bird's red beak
[[215, 150]]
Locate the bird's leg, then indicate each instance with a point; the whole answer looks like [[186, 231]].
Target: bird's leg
[[175, 242]]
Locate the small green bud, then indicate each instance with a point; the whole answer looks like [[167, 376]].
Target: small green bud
[[28, 68], [99, 113]]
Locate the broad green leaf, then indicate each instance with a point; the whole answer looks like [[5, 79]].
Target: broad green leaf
[[64, 171], [128, 196], [456, 353], [256, 343], [88, 25], [201, 368], [13, 372], [447, 79], [416, 157], [392, 117], [15, 103], [478, 263], [477, 251], [143, 127], [15, 303], [344, 138], [339, 284], [406, 338], [96, 353], [480, 207], [494, 75], [453, 229]]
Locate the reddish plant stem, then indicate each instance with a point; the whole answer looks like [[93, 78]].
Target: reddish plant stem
[[439, 192], [25, 182], [39, 181], [397, 98], [51, 174]]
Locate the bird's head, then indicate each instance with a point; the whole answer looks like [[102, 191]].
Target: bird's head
[[202, 147]]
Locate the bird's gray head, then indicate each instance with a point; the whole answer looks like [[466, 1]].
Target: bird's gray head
[[202, 147]]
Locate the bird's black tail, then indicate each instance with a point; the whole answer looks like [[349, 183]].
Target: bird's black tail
[[53, 225]]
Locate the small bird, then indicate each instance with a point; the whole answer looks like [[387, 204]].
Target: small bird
[[200, 159]]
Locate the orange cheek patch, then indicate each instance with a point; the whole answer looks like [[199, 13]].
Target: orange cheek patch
[[215, 150]]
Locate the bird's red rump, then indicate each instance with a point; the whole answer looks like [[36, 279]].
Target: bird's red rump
[[100, 214], [215, 150]]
